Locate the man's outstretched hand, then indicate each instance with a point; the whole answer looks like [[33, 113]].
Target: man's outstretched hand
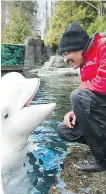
[[70, 119]]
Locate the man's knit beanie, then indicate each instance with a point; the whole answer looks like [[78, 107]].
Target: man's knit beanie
[[74, 38]]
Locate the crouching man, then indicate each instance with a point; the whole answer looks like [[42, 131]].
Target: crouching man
[[86, 123]]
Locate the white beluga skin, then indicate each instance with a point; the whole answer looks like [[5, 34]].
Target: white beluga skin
[[18, 120]]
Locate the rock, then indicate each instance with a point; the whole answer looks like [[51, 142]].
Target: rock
[[56, 66], [58, 72], [54, 190], [81, 182], [31, 73], [55, 62]]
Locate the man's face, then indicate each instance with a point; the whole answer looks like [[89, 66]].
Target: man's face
[[75, 58]]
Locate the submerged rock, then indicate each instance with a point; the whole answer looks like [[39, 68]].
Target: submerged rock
[[55, 190], [78, 182]]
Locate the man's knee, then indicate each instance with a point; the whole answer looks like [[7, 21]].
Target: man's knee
[[62, 130], [78, 94], [60, 127], [81, 101]]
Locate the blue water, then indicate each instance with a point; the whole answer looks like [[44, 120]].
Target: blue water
[[47, 159]]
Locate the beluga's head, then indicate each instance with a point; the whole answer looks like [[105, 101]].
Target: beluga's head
[[18, 117]]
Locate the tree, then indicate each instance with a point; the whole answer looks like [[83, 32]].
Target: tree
[[21, 21], [18, 28], [100, 7], [30, 7], [97, 26], [65, 12]]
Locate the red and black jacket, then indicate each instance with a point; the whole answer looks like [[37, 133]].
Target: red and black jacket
[[93, 72]]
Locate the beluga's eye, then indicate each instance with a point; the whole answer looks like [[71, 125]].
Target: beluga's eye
[[6, 116]]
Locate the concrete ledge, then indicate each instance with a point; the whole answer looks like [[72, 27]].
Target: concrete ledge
[[9, 68]]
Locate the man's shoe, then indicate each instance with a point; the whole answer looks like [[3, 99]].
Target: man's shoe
[[94, 167]]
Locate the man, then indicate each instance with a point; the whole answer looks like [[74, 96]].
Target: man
[[86, 123]]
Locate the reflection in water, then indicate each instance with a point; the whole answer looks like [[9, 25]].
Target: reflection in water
[[47, 157]]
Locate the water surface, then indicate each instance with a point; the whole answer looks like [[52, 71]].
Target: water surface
[[51, 149]]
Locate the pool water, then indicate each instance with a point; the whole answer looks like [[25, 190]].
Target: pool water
[[47, 149]]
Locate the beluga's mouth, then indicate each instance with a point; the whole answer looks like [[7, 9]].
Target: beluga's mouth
[[27, 103]]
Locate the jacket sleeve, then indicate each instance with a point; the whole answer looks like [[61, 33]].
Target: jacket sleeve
[[98, 84]]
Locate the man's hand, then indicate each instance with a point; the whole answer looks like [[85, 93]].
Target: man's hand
[[70, 116]]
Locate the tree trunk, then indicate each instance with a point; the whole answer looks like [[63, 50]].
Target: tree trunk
[[100, 9]]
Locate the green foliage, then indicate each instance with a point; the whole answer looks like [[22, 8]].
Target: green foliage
[[58, 22], [17, 29], [97, 26], [67, 11], [22, 21], [12, 55]]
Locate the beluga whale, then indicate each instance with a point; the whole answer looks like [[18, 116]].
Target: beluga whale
[[18, 120]]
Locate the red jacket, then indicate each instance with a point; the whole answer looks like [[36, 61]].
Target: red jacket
[[93, 72]]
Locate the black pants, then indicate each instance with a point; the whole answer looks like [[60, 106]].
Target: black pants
[[90, 128]]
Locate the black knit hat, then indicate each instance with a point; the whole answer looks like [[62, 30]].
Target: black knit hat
[[74, 38]]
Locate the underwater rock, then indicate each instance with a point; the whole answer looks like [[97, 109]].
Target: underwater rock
[[54, 190]]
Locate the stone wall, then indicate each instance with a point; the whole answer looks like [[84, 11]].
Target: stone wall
[[35, 53]]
